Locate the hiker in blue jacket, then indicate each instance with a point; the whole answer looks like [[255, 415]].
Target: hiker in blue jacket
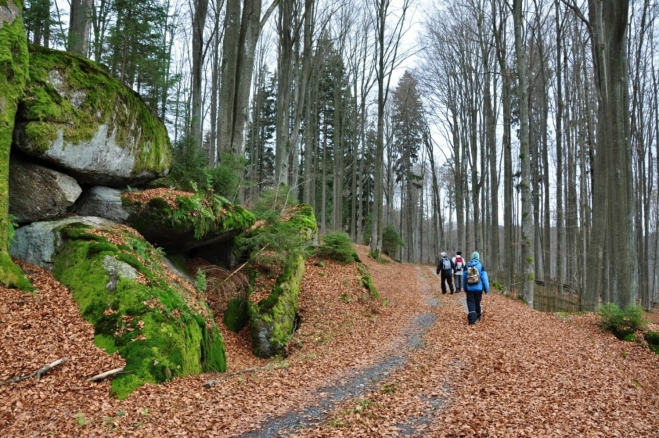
[[475, 282]]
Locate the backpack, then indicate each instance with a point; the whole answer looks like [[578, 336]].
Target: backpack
[[473, 276], [446, 264], [459, 263]]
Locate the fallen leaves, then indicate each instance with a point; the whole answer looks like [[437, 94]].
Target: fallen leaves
[[519, 373]]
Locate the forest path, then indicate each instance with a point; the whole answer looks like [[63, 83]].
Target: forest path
[[361, 381]]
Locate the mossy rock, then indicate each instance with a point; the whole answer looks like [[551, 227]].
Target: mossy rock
[[188, 221], [76, 115], [14, 64], [236, 316], [272, 320], [162, 328]]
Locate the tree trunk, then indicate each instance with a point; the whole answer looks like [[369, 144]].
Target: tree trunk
[[79, 26], [613, 208], [527, 207], [198, 24]]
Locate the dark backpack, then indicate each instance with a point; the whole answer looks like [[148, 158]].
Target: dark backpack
[[446, 264], [473, 276]]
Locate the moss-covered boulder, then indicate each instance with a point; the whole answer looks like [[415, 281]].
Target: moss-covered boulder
[[180, 221], [14, 64], [77, 116], [158, 322], [272, 320]]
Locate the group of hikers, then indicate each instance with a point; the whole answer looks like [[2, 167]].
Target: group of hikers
[[470, 277]]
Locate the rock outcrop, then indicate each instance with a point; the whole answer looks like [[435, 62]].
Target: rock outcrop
[[39, 193], [15, 63], [102, 202], [36, 243], [157, 321], [272, 319], [78, 117], [180, 221]]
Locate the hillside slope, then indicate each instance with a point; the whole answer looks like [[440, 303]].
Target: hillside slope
[[517, 373]]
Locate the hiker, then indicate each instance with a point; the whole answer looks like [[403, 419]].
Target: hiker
[[445, 268], [459, 264], [476, 282]]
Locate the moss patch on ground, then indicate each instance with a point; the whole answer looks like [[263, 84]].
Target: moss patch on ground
[[14, 63], [159, 324], [73, 94]]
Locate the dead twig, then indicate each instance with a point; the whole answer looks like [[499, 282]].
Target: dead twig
[[105, 375], [39, 373]]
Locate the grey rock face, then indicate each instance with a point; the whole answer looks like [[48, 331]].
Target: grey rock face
[[37, 193], [100, 160], [36, 243], [103, 202], [122, 269]]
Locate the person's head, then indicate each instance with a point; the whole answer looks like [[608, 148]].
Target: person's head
[[475, 256], [459, 253], [443, 254]]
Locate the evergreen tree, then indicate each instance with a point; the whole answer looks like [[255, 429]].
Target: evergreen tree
[[407, 126], [260, 152]]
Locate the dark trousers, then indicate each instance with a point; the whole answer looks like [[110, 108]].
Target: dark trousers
[[447, 279], [458, 281], [474, 306]]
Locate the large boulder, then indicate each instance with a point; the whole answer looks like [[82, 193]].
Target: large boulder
[[37, 193], [36, 243], [78, 117], [102, 202], [157, 321], [180, 221]]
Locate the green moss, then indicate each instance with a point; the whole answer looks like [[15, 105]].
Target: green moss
[[42, 135], [276, 314], [236, 316], [14, 64], [101, 96], [179, 261], [652, 338], [106, 343], [198, 214], [367, 281], [152, 326]]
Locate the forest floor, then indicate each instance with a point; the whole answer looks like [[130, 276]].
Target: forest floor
[[407, 365]]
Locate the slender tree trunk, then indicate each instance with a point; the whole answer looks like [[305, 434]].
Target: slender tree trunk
[[560, 258], [198, 24], [527, 207]]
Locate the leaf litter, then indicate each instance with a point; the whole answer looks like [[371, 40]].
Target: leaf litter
[[517, 373]]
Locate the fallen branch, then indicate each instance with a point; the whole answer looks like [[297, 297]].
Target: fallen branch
[[47, 368], [38, 373], [105, 375]]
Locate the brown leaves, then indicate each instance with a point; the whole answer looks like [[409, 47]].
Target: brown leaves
[[518, 373]]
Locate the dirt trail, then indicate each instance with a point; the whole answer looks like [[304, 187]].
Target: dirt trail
[[360, 382]]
